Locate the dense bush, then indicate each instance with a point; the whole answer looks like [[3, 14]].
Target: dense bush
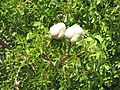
[[94, 62]]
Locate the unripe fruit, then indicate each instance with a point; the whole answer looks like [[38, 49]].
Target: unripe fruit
[[57, 31], [73, 33]]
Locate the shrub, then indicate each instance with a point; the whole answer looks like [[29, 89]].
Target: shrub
[[93, 63]]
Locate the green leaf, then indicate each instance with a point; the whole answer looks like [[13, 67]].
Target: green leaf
[[98, 1], [118, 64], [89, 39], [107, 67], [30, 35], [37, 23], [88, 68], [99, 38]]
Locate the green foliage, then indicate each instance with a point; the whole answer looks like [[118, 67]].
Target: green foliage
[[94, 62]]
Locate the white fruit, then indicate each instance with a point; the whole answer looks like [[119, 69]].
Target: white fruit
[[57, 31], [74, 32]]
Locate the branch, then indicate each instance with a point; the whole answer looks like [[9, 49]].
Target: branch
[[5, 45], [48, 44], [50, 61], [64, 58], [67, 56], [68, 53], [69, 48]]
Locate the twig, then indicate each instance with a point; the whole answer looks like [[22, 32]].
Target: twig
[[48, 44], [46, 52], [64, 58], [69, 48], [17, 83], [68, 54], [50, 61], [26, 1]]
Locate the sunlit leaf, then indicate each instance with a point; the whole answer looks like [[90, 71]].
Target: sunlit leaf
[[99, 38]]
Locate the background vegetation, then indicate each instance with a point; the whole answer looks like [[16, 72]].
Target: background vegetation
[[95, 60]]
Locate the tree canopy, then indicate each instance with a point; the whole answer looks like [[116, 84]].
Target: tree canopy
[[27, 64]]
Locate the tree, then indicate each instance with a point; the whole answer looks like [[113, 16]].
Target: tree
[[93, 63]]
